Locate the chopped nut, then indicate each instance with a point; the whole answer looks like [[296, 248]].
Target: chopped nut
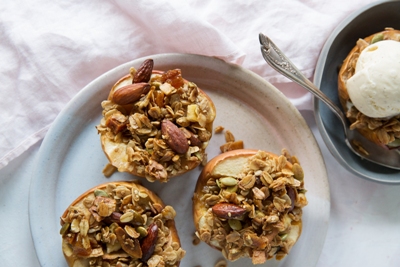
[[109, 169], [229, 136], [218, 129], [232, 146], [156, 171], [105, 206], [258, 257]]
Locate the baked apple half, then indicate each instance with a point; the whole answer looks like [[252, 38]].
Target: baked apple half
[[248, 203], [156, 124]]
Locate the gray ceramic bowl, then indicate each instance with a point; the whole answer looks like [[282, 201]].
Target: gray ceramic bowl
[[364, 22]]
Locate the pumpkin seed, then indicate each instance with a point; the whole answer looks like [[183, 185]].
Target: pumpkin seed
[[283, 237], [298, 172], [64, 228], [228, 181], [302, 191], [232, 189], [142, 231], [100, 193], [260, 214], [235, 224], [377, 37]]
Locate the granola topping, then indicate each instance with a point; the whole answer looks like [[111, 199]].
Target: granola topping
[[164, 132], [256, 214], [118, 227], [387, 129]]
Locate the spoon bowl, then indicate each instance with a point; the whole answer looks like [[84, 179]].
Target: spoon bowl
[[354, 140]]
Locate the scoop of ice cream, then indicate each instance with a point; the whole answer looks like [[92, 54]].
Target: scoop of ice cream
[[374, 88]]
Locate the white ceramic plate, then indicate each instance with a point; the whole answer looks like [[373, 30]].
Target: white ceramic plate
[[70, 160], [367, 20]]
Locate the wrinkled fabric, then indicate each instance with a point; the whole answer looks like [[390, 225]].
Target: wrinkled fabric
[[50, 50]]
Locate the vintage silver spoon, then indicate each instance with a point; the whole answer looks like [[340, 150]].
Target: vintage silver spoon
[[357, 143]]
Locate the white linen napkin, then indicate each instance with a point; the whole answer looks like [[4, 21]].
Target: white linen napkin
[[49, 50]]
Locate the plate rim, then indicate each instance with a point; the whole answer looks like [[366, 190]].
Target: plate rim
[[316, 103], [46, 143]]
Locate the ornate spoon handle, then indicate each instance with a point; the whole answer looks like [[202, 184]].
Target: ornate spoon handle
[[275, 57]]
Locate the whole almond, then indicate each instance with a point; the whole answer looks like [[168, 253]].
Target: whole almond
[[149, 242], [130, 93], [143, 74], [228, 210], [174, 137]]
